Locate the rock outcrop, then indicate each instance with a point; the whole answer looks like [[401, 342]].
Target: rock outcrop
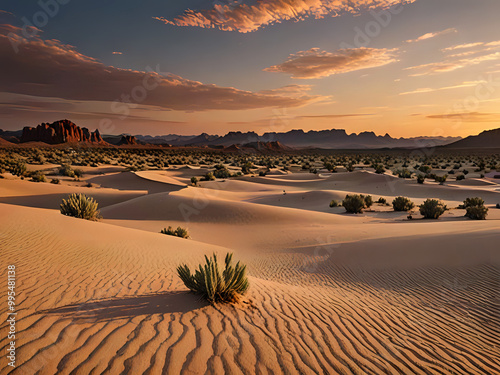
[[62, 131]]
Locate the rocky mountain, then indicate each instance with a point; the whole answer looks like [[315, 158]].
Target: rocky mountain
[[63, 131], [327, 139], [486, 139]]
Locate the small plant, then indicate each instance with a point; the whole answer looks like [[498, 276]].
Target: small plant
[[38, 177], [476, 212], [78, 173], [379, 169], [432, 209], [420, 178], [335, 203], [80, 206], [208, 177], [194, 181], [179, 232], [382, 200], [354, 204], [475, 208], [368, 200], [441, 179], [215, 287], [55, 181], [460, 177], [402, 204], [66, 170]]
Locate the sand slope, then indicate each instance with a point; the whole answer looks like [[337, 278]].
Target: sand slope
[[97, 298]]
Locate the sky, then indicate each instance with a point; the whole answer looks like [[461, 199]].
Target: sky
[[407, 68]]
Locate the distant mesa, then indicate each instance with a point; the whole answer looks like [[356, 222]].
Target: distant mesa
[[127, 140], [62, 131]]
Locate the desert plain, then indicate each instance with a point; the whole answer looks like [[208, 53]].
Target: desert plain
[[330, 292]]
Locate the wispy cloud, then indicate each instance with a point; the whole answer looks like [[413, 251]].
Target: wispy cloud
[[450, 65], [117, 53], [463, 46], [246, 16], [468, 117], [432, 35], [342, 115], [427, 90], [316, 63], [49, 68]]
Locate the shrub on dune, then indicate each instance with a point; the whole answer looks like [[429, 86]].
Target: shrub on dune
[[368, 200], [475, 208], [382, 200], [354, 204], [194, 181], [432, 209], [420, 179], [335, 203], [38, 177], [80, 206], [214, 286], [402, 204], [179, 232]]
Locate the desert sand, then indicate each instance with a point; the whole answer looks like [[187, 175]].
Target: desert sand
[[331, 293]]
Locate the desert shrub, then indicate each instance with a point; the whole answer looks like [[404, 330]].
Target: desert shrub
[[405, 173], [432, 209], [476, 212], [354, 204], [402, 204], [213, 286], [460, 177], [420, 178], [368, 200], [18, 168], [262, 174], [498, 205], [222, 173], [208, 177], [441, 179], [38, 177], [382, 200], [66, 170], [425, 169], [335, 203], [475, 208], [379, 169], [194, 181], [78, 173], [473, 202], [80, 206], [179, 232], [55, 181]]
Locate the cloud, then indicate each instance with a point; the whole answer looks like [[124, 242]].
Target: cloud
[[469, 117], [463, 46], [336, 115], [426, 90], [246, 16], [117, 53], [315, 63], [432, 35], [451, 64], [49, 68]]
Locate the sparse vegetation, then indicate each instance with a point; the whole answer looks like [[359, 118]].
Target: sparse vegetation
[[194, 181], [402, 204], [475, 209], [38, 177], [80, 206], [382, 200], [179, 232], [335, 203], [214, 286], [354, 204], [432, 209]]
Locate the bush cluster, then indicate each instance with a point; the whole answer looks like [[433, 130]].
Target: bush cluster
[[402, 204], [475, 209], [432, 209], [179, 232], [80, 206]]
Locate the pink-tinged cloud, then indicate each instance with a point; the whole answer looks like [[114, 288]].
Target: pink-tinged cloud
[[117, 53], [452, 64], [49, 68], [316, 63], [246, 16], [432, 35]]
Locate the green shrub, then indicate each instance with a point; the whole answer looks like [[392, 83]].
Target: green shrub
[[420, 178], [215, 287], [55, 181], [476, 212], [80, 206], [473, 202], [19, 168], [432, 209], [194, 181], [78, 173], [460, 177], [354, 204], [208, 177], [66, 170], [402, 204], [179, 232], [379, 169], [382, 200], [368, 200], [441, 179], [38, 177], [222, 173], [335, 203]]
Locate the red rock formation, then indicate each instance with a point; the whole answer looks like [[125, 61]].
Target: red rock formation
[[60, 132], [127, 140]]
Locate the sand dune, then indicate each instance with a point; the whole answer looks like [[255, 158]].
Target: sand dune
[[310, 314], [330, 292]]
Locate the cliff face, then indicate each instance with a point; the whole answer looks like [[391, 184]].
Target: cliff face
[[127, 140], [60, 132]]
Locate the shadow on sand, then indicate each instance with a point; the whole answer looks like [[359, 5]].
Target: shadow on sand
[[130, 306]]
